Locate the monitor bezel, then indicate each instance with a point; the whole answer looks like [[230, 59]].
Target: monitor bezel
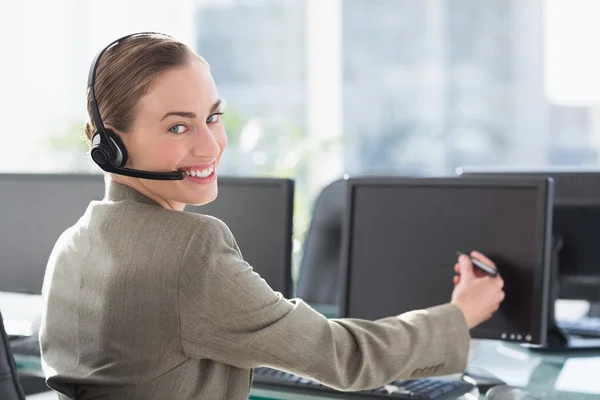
[[544, 188], [553, 172]]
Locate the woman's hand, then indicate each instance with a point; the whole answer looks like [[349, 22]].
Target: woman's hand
[[476, 294]]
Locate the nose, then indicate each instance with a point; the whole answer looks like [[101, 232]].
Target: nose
[[205, 144]]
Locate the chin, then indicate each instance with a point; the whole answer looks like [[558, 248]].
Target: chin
[[202, 197]]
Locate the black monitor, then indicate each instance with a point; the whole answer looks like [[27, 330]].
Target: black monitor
[[259, 213], [35, 209], [576, 224], [401, 236]]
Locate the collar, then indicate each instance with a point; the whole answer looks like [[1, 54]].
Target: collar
[[118, 192]]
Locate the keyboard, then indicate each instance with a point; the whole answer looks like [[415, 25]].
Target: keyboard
[[25, 346], [587, 327], [419, 389]]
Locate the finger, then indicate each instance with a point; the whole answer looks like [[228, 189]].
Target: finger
[[479, 273], [488, 281], [456, 280], [499, 282], [466, 268], [457, 268], [482, 258]]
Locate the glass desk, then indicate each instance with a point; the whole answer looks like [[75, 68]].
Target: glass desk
[[546, 376], [564, 376], [574, 376]]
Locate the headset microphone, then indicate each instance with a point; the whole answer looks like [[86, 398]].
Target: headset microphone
[[108, 150]]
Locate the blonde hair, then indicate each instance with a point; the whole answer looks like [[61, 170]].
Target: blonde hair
[[125, 73]]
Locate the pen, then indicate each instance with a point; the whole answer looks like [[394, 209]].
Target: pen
[[482, 266]]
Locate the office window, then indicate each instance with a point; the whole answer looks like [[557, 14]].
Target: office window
[[320, 88]]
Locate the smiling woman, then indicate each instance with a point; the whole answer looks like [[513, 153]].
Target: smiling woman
[[145, 301], [158, 103]]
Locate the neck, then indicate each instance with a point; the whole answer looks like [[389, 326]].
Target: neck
[[136, 183]]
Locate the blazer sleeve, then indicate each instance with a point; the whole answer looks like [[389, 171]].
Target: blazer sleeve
[[229, 314]]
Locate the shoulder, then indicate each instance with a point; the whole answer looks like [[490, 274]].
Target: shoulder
[[149, 217], [199, 230], [207, 224], [209, 231], [211, 259]]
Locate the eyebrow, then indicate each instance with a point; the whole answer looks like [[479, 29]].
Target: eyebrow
[[191, 115]]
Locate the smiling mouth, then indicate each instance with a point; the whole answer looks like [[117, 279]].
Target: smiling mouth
[[199, 173]]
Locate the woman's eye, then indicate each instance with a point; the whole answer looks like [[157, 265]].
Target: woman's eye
[[178, 129], [216, 117]]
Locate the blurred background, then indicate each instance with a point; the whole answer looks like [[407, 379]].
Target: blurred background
[[321, 88]]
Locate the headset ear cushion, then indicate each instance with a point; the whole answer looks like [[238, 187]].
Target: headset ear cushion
[[120, 156], [96, 139], [100, 152]]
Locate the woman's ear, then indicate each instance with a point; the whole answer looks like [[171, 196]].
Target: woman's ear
[[110, 127], [122, 156], [120, 134]]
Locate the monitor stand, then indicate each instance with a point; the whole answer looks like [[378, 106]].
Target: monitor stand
[[557, 340]]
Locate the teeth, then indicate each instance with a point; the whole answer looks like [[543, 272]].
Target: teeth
[[201, 173]]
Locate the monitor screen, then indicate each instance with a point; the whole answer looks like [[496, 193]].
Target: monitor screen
[[259, 213], [401, 237], [35, 209], [576, 221]]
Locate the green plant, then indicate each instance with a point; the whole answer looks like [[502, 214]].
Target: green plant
[[73, 139], [71, 148]]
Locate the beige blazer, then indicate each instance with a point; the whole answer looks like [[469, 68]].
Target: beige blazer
[[147, 303]]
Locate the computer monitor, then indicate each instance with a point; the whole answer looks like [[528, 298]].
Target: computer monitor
[[401, 236], [576, 223], [259, 213], [35, 209]]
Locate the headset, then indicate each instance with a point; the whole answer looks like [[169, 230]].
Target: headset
[[108, 150]]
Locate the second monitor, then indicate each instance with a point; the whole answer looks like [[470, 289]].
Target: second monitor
[[401, 236], [259, 213], [576, 222]]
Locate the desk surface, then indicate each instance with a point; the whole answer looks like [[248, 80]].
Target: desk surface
[[566, 376], [546, 376]]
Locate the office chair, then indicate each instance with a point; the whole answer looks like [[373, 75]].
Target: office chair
[[10, 387], [318, 282]]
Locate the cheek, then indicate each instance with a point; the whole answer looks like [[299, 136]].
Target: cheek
[[158, 154], [222, 139]]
